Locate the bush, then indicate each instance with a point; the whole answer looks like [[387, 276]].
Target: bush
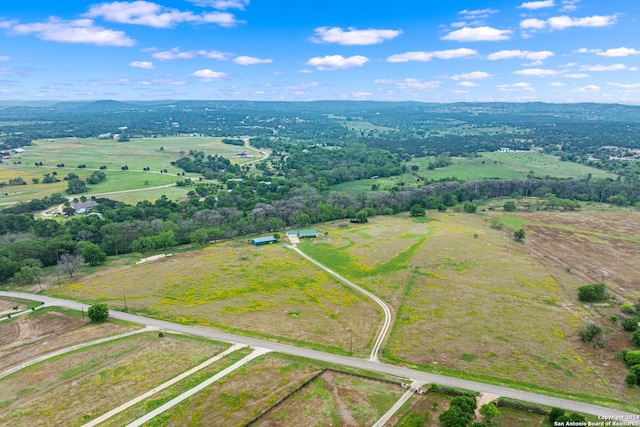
[[592, 331], [632, 357], [631, 380], [592, 293], [518, 235], [520, 405], [635, 338], [98, 312], [627, 307], [554, 414], [630, 325]]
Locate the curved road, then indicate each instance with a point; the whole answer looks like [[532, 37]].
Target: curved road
[[386, 324], [353, 362]]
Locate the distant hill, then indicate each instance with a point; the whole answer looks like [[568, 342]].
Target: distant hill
[[107, 105]]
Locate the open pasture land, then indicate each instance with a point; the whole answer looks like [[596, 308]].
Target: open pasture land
[[329, 398], [512, 165], [483, 306], [268, 290], [76, 387], [30, 336], [136, 154]]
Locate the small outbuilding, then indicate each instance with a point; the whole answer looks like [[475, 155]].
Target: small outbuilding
[[260, 241], [303, 234]]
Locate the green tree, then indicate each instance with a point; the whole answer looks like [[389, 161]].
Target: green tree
[[362, 216], [470, 207], [76, 186], [554, 414], [630, 325], [589, 334], [417, 210], [518, 235], [635, 338], [92, 253], [509, 206], [98, 312], [489, 411], [455, 417]]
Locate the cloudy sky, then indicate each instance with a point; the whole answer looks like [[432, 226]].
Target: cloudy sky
[[422, 50]]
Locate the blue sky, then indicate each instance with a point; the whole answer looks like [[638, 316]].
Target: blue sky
[[421, 50]]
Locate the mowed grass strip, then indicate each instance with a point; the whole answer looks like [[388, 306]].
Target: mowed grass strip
[[269, 291], [76, 387]]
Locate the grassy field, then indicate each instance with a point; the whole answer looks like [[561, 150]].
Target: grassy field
[[74, 388], [484, 305], [266, 290], [514, 165], [329, 399], [154, 153]]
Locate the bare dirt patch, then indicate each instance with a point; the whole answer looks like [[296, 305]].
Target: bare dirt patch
[[8, 307], [335, 399], [27, 337], [74, 388]]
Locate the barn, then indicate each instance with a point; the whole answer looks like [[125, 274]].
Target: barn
[[303, 234], [259, 241]]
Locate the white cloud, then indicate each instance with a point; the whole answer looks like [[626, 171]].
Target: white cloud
[[336, 62], [537, 4], [477, 14], [301, 88], [536, 72], [557, 84], [154, 15], [625, 85], [5, 58], [249, 60], [569, 5], [428, 56], [209, 75], [222, 4], [411, 84], [141, 64], [468, 84], [516, 87], [612, 67], [176, 53], [576, 75], [587, 88], [353, 37], [525, 54], [474, 75], [476, 34], [611, 53], [532, 24], [361, 94], [564, 22], [75, 31]]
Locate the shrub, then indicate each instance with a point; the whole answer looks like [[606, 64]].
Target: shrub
[[627, 307], [631, 380], [630, 325], [635, 338], [98, 312], [632, 357], [590, 293]]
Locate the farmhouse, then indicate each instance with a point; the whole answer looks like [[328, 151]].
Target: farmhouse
[[260, 241], [17, 150], [505, 150], [84, 206], [303, 234]]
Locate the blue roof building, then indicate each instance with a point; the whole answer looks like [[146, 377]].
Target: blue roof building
[[259, 241]]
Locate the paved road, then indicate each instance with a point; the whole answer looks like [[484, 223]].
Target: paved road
[[386, 324], [398, 371]]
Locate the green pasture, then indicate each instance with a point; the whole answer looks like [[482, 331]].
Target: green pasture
[[266, 291], [470, 302], [137, 154], [513, 165]]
